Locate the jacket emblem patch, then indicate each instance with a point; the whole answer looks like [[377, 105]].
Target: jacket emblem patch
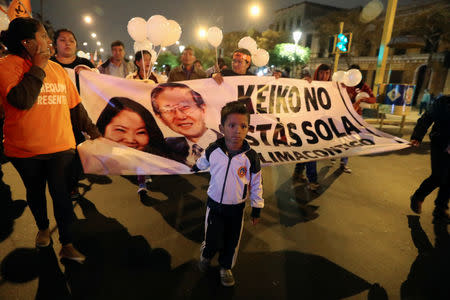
[[242, 171]]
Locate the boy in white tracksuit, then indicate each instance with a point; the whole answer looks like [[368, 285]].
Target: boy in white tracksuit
[[235, 176]]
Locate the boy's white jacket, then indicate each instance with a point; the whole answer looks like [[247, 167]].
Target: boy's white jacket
[[233, 178]]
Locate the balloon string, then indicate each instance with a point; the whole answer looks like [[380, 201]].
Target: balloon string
[[217, 60], [1, 8], [143, 64]]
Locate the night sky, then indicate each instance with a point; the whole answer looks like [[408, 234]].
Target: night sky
[[111, 16]]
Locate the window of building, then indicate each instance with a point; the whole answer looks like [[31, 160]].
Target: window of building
[[399, 51], [283, 28], [293, 23], [396, 77], [308, 42], [299, 22], [277, 26], [330, 44]]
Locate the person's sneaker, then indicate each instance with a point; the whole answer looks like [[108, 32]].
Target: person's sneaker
[[69, 252], [43, 238], [148, 179], [346, 169], [226, 277], [203, 264], [416, 204], [313, 186]]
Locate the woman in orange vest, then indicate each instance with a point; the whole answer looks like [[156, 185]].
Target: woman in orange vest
[[41, 103]]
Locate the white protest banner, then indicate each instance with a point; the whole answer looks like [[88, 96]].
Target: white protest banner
[[165, 126]]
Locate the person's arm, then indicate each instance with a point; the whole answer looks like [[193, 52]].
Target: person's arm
[[80, 120], [171, 76], [255, 188], [423, 123], [25, 93]]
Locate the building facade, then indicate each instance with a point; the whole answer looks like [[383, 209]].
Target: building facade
[[406, 66]]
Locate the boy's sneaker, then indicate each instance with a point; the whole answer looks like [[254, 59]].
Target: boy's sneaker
[[226, 277], [203, 264], [69, 252], [346, 169], [313, 186]]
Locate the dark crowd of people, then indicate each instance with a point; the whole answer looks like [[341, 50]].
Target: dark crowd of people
[[44, 119]]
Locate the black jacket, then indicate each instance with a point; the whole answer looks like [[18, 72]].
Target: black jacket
[[439, 114]]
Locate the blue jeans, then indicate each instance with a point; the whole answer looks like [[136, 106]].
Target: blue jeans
[[311, 170]]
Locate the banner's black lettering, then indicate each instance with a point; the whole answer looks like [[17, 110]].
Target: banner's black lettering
[[245, 93], [272, 99], [294, 94], [279, 135], [310, 99], [335, 130], [281, 99], [251, 140], [285, 156], [261, 98], [321, 94], [305, 128], [293, 135], [328, 135], [263, 132]]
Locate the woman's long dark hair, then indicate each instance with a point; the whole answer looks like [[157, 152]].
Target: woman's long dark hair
[[18, 30], [156, 144]]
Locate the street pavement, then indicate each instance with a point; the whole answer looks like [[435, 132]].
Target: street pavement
[[354, 239]]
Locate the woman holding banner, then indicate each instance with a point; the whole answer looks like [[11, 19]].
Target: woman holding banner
[[40, 103], [65, 44]]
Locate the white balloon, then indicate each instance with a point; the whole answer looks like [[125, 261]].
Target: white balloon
[[371, 11], [249, 44], [352, 77], [157, 29], [338, 76], [362, 95], [260, 57], [154, 56], [215, 36], [137, 29], [173, 33], [143, 45]]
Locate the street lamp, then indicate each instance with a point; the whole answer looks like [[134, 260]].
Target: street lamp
[[99, 43], [202, 33], [296, 35], [87, 19], [181, 48], [101, 50], [93, 35], [84, 44], [255, 10]]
